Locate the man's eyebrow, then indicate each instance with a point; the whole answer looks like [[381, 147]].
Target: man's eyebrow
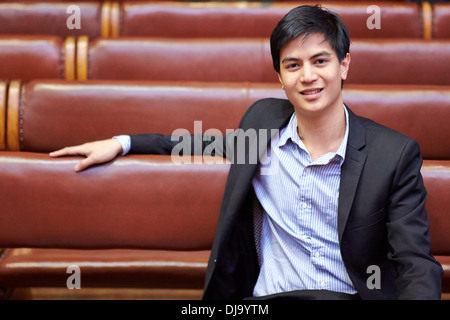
[[322, 53], [289, 59]]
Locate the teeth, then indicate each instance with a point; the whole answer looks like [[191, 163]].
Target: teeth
[[311, 92]]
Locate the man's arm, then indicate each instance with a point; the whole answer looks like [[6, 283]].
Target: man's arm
[[418, 273], [103, 151]]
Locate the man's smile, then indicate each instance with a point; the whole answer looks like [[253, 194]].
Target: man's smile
[[307, 92]]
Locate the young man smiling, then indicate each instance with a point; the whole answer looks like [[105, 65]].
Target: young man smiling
[[347, 195], [310, 73]]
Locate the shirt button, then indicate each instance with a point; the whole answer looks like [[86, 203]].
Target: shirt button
[[317, 254], [308, 169], [323, 284], [304, 205]]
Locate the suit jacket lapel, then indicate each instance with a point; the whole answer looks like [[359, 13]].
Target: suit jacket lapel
[[272, 115], [269, 114], [276, 118], [351, 170]]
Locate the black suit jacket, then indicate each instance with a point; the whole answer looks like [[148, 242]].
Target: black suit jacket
[[381, 216]]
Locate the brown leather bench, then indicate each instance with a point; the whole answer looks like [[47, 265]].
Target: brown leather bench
[[62, 217], [107, 268], [50, 18], [209, 60], [93, 219], [436, 176], [257, 19], [183, 19], [60, 113], [441, 17], [136, 202], [131, 58], [157, 233], [375, 61], [3, 95], [37, 57]]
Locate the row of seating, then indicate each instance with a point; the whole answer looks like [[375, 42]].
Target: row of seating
[[236, 19], [376, 61], [156, 234], [115, 206], [47, 115]]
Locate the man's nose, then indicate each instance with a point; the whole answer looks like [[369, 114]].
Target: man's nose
[[308, 74]]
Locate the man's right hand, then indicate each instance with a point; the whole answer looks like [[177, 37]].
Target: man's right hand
[[96, 152]]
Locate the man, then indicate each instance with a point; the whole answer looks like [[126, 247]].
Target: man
[[345, 198]]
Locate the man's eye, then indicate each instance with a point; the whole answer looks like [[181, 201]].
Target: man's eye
[[292, 66], [321, 61]]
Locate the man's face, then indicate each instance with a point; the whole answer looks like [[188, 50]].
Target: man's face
[[310, 74]]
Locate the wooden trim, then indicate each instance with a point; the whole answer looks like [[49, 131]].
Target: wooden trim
[[82, 57], [12, 117], [115, 19], [69, 58], [3, 97], [106, 19], [427, 16]]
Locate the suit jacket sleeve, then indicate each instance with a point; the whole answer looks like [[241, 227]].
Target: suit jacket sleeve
[[418, 273], [185, 143]]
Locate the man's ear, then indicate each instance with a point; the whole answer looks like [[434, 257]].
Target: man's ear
[[345, 66], [281, 80]]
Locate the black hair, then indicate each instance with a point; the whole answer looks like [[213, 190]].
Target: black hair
[[306, 20]]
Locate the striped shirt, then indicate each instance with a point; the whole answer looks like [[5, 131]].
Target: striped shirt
[[299, 247]]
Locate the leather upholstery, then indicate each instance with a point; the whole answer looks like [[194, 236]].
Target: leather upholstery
[[61, 113], [399, 62], [3, 95], [437, 181], [441, 17], [34, 57], [28, 267], [83, 211], [257, 19], [145, 202], [436, 176], [412, 110], [378, 61], [235, 19], [49, 18], [134, 58]]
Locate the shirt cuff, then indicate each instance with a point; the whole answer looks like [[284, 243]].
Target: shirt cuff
[[125, 142]]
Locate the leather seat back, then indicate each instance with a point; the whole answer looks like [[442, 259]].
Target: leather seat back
[[141, 202], [37, 57], [256, 19], [249, 60], [56, 114]]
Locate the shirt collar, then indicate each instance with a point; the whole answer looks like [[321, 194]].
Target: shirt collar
[[290, 133]]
